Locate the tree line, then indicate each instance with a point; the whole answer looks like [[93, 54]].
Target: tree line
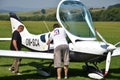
[[51, 17], [112, 13]]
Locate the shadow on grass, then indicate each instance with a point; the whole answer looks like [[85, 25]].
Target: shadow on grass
[[114, 74], [24, 77]]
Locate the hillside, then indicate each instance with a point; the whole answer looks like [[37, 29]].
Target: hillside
[[35, 12]]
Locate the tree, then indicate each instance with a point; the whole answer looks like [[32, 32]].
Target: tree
[[43, 11]]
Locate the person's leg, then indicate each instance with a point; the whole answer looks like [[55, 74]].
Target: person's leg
[[66, 71], [12, 68], [57, 61], [17, 66], [66, 61], [18, 60], [59, 73]]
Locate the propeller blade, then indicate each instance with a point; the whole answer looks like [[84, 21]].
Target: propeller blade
[[116, 52], [108, 60]]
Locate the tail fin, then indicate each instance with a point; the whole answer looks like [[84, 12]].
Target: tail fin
[[15, 22]]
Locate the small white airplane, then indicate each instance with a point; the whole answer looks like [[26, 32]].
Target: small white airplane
[[75, 18]]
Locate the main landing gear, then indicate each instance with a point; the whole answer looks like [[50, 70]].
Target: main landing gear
[[93, 71], [44, 71]]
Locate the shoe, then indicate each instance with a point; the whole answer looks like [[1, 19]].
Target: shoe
[[10, 69], [65, 77], [18, 73]]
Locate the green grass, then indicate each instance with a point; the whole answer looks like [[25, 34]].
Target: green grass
[[109, 30]]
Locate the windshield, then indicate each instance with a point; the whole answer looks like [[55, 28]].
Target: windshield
[[76, 19]]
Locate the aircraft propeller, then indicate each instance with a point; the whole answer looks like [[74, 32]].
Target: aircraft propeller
[[108, 60], [110, 48]]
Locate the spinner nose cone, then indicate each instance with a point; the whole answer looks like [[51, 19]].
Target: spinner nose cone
[[111, 47]]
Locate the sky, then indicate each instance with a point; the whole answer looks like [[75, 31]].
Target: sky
[[40, 4]]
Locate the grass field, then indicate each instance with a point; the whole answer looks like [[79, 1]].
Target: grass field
[[109, 30]]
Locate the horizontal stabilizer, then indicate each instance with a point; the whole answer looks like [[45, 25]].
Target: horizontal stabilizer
[[116, 52], [5, 39], [25, 54]]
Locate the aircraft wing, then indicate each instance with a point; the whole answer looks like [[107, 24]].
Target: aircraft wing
[[25, 54], [5, 39], [116, 52]]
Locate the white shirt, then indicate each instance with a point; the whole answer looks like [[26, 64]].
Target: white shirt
[[58, 35]]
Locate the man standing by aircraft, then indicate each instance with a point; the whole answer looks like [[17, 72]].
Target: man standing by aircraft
[[61, 50], [16, 44]]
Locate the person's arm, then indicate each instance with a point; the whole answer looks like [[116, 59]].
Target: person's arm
[[50, 38], [15, 45]]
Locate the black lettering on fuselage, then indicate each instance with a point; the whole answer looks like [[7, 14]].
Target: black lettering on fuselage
[[32, 42]]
